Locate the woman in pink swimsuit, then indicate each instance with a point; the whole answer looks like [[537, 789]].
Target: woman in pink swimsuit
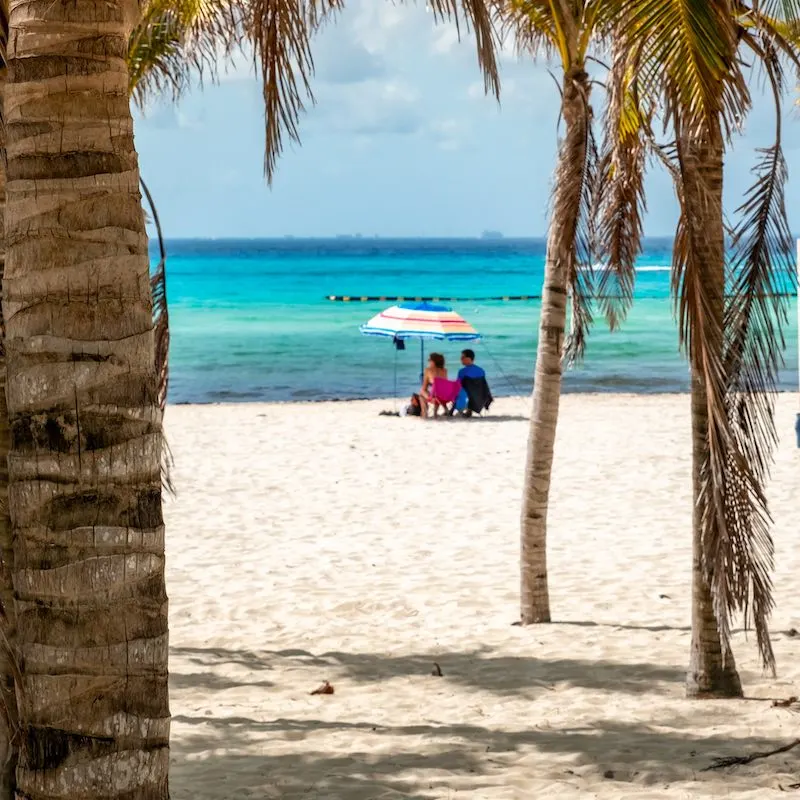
[[435, 369]]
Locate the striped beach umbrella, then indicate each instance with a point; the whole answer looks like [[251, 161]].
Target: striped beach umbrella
[[420, 321]]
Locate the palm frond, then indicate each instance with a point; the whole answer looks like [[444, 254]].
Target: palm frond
[[581, 275], [177, 42], [280, 32], [158, 288], [478, 16], [533, 28], [688, 46], [755, 315], [781, 10], [621, 199], [772, 40], [736, 545]]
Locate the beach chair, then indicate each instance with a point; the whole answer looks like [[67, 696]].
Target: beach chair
[[479, 395], [444, 393]]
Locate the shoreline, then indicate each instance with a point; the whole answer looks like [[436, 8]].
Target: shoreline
[[399, 399]]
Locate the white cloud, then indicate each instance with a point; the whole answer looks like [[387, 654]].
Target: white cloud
[[448, 133], [445, 39], [343, 59], [368, 108]]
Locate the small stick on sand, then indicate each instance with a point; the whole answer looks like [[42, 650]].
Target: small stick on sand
[[733, 761], [437, 670], [326, 688]]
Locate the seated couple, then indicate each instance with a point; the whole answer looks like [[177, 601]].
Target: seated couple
[[467, 394]]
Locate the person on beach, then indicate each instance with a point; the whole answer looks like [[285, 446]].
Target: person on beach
[[469, 368], [476, 396], [435, 369]]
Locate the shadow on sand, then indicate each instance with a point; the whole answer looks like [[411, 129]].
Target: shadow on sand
[[253, 755], [480, 668], [433, 759]]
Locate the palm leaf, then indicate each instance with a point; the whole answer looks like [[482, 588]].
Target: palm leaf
[[621, 200], [280, 32], [177, 42], [158, 288], [533, 28], [781, 10], [687, 47], [478, 16], [756, 312], [580, 276]]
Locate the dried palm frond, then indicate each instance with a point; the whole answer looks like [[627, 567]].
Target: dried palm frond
[[755, 315], [280, 32], [699, 296], [621, 203], [478, 16], [580, 276], [736, 546], [158, 286]]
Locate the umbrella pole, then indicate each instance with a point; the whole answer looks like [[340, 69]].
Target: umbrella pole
[[421, 359]]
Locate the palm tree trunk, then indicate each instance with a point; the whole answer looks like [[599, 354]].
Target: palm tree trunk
[[561, 254], [84, 477], [712, 669], [8, 701]]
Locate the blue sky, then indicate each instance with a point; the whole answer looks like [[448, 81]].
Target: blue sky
[[401, 142]]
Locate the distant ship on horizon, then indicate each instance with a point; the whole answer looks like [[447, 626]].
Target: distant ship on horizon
[[491, 235]]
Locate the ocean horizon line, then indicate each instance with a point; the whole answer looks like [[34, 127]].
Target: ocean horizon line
[[489, 241], [352, 238]]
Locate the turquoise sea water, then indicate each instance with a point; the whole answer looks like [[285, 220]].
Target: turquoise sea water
[[250, 319]]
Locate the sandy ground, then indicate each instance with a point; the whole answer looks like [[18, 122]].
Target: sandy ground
[[325, 542]]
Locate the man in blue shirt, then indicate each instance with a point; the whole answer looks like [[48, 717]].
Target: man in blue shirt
[[475, 396], [470, 368]]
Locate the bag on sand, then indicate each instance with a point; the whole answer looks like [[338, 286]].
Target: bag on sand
[[413, 409]]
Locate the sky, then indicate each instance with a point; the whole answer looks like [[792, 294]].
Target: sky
[[402, 141]]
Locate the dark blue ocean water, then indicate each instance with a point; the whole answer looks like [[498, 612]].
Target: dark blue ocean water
[[250, 319]]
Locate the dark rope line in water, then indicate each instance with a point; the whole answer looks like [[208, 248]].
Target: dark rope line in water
[[343, 298]]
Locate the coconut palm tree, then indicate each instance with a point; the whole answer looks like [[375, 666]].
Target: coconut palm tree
[[565, 30], [84, 464], [8, 702], [84, 479], [688, 55]]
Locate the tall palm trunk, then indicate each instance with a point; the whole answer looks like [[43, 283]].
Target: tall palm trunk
[[84, 478], [561, 255], [712, 669], [8, 702]]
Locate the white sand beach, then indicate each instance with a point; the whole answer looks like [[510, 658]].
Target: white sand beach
[[325, 542]]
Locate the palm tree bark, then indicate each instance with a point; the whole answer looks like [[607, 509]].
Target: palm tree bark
[[712, 669], [84, 477], [561, 255], [8, 701]]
